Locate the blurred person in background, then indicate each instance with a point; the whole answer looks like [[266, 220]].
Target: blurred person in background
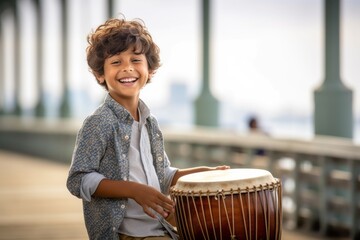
[[254, 128]]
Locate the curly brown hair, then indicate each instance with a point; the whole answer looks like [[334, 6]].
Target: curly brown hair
[[116, 36]]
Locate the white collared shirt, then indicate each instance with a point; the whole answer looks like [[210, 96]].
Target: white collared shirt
[[141, 170]]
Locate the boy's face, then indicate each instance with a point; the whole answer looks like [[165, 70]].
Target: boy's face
[[125, 75]]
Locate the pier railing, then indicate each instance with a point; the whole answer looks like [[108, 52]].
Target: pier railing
[[320, 176]]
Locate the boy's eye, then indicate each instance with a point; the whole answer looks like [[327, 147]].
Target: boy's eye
[[115, 62], [136, 60]]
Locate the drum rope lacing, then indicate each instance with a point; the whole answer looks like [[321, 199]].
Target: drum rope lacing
[[211, 216], [220, 193]]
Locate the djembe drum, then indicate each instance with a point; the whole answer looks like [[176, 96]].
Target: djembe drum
[[228, 204]]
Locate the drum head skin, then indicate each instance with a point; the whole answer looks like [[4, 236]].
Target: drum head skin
[[220, 180]]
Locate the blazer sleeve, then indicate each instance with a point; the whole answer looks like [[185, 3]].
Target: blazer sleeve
[[89, 149]]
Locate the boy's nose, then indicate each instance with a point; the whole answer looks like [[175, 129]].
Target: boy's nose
[[127, 68]]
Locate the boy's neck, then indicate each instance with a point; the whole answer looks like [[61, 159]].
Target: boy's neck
[[133, 110], [131, 105], [135, 114]]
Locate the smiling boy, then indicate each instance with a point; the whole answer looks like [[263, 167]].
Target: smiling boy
[[119, 168]]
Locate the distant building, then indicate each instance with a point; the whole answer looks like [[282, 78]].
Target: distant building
[[178, 110]]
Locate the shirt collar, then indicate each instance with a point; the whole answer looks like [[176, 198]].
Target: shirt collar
[[144, 112]]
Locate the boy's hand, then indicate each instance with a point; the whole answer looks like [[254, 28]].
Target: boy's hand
[[223, 167], [153, 201]]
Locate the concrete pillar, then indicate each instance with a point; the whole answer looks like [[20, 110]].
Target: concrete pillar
[[65, 110], [333, 114], [17, 63], [2, 72], [110, 8], [206, 105], [40, 106], [4, 4]]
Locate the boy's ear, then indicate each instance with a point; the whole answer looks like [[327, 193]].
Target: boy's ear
[[101, 79], [151, 74]]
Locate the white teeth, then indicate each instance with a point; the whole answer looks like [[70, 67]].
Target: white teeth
[[127, 80]]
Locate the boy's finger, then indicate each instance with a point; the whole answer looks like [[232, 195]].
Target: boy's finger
[[149, 212]]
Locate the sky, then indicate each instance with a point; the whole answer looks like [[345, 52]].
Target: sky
[[266, 56]]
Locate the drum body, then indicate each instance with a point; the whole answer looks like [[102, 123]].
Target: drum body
[[228, 204]]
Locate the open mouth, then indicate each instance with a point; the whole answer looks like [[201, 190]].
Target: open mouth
[[128, 80]]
